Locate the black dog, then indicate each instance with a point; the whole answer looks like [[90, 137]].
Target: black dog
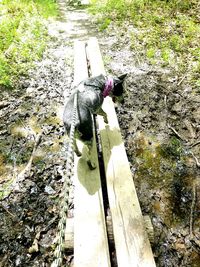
[[90, 95]]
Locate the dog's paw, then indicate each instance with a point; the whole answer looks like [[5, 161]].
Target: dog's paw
[[105, 119], [91, 165], [78, 153]]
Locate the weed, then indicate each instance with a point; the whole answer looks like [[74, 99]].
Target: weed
[[104, 25], [151, 53], [166, 54]]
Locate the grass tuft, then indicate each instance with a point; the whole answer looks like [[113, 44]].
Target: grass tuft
[[23, 36], [168, 32]]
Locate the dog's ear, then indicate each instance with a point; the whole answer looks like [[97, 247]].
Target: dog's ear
[[118, 90], [122, 77]]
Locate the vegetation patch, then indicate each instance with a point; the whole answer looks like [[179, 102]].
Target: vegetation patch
[[23, 36], [168, 32]]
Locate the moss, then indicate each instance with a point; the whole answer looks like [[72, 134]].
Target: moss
[[157, 161], [150, 161], [162, 168], [173, 149]]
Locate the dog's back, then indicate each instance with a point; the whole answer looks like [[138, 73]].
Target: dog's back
[[89, 100]]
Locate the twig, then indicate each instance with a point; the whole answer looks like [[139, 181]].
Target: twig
[[192, 208], [165, 101], [181, 80], [26, 170], [176, 133], [190, 128], [195, 144], [28, 166], [8, 211], [195, 158]]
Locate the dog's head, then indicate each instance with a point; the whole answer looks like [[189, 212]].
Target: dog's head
[[118, 89]]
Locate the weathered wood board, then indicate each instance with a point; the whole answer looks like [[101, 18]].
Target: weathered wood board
[[131, 240], [69, 234], [90, 237]]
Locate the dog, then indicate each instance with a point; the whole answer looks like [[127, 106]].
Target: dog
[[90, 95]]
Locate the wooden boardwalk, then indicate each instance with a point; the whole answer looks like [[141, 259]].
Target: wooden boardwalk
[[90, 231]]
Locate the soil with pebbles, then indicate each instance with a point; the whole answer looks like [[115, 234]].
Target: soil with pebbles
[[160, 125]]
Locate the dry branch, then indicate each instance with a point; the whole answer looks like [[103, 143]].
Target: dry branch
[[196, 160], [176, 133], [195, 144], [26, 171]]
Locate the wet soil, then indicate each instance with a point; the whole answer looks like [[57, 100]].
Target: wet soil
[[160, 126]]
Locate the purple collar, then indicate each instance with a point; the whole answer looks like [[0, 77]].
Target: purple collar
[[108, 87]]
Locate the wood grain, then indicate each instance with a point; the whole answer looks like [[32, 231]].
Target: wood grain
[[90, 237], [131, 240]]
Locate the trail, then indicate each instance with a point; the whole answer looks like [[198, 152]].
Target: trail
[[76, 22]]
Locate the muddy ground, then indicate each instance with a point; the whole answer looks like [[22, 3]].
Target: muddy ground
[[159, 123]]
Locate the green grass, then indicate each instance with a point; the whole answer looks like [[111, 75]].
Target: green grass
[[167, 31], [23, 36]]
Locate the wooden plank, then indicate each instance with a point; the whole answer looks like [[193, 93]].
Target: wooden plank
[[69, 234], [90, 237], [131, 240], [94, 57], [80, 62]]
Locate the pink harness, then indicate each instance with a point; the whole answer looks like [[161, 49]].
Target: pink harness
[[108, 87]]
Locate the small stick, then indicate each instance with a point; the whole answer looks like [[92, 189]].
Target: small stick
[[181, 80], [190, 128], [26, 170], [176, 133], [8, 211], [195, 144], [165, 100], [195, 158]]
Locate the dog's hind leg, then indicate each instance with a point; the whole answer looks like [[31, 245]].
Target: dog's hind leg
[[76, 149], [91, 147]]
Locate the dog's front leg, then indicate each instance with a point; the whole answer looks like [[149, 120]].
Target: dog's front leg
[[102, 113]]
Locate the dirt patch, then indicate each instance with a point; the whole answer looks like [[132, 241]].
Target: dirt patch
[[160, 126]]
